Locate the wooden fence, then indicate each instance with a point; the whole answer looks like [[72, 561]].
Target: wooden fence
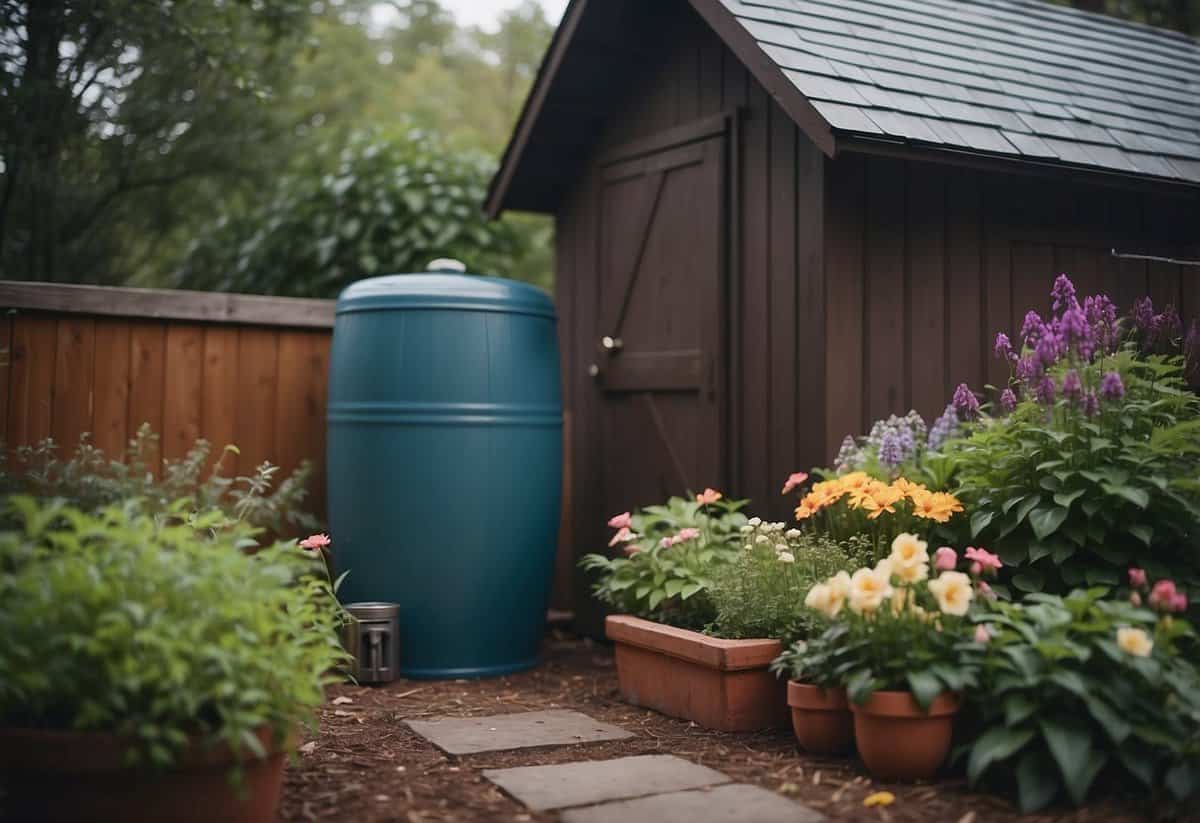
[[230, 368]]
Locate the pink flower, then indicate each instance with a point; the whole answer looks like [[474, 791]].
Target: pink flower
[[985, 591], [686, 534], [709, 496], [622, 536], [315, 541], [795, 479], [631, 549], [1137, 577], [666, 542], [945, 559], [1162, 596], [1179, 602], [1135, 599], [984, 558], [975, 569], [620, 521], [982, 635]]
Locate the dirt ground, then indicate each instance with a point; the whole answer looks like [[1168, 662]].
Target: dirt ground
[[366, 765]]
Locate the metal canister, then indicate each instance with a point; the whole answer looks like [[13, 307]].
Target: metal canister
[[374, 641]]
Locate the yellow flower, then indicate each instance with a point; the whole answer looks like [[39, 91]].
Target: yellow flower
[[868, 589], [883, 498], [1135, 642], [804, 511], [953, 591], [879, 799], [910, 558], [839, 589], [908, 488], [855, 480], [937, 506], [819, 599]]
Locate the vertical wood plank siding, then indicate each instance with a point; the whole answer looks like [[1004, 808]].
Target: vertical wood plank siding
[[775, 276], [259, 387], [925, 263]]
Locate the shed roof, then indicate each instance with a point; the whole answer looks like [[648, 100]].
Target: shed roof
[[1006, 77], [1012, 79]]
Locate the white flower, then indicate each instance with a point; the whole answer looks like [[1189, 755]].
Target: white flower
[[909, 558], [754, 522], [953, 591], [793, 533], [786, 557], [869, 588], [820, 599], [1135, 642], [747, 529], [762, 538], [782, 547]]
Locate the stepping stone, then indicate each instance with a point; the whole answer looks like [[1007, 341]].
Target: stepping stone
[[581, 784], [732, 803], [471, 735]]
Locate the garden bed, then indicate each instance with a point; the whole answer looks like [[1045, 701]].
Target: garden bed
[[366, 765]]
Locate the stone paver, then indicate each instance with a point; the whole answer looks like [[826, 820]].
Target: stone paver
[[581, 784], [470, 735], [732, 803]]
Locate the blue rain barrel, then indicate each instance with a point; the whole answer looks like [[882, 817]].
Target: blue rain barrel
[[444, 464]]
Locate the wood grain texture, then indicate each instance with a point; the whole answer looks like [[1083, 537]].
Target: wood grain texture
[[257, 390], [183, 391], [31, 376], [110, 406], [74, 362], [147, 380]]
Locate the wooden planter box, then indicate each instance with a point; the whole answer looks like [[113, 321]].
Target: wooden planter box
[[719, 684]]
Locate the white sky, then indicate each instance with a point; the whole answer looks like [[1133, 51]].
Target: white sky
[[485, 12]]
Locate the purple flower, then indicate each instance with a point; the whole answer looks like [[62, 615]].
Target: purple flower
[[1045, 390], [1008, 400], [1166, 327], [1049, 348], [943, 427], [1143, 313], [1191, 354], [1004, 349], [1111, 387], [1102, 317], [1063, 294], [1091, 405], [1071, 385], [1032, 328], [1029, 368], [891, 454], [966, 404]]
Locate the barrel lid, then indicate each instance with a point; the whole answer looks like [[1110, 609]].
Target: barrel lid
[[444, 291], [373, 610]]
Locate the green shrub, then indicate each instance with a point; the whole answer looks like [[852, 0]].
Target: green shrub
[[761, 593], [89, 480], [670, 553], [1064, 700], [159, 627], [1080, 482]]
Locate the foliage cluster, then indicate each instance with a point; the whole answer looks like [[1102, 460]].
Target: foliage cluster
[[159, 628], [90, 480], [670, 554], [1080, 690]]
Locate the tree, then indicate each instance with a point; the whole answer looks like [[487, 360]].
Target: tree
[[104, 102], [1181, 15], [381, 204]]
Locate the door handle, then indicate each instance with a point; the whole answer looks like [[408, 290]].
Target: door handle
[[612, 345]]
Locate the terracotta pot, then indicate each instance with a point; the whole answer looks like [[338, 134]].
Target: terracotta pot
[[821, 718], [897, 740], [718, 684], [81, 776]]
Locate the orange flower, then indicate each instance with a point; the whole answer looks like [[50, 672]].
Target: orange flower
[[709, 496], [908, 488], [882, 499], [856, 480], [804, 511]]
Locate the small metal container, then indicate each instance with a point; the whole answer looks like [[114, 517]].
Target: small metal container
[[374, 641]]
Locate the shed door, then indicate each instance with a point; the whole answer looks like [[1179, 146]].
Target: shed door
[[659, 364]]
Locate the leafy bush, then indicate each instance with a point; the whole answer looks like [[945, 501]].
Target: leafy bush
[[1082, 689], [1095, 469], [670, 552], [761, 593], [891, 627], [89, 480], [156, 628]]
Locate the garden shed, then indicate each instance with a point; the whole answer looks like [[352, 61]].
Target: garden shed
[[780, 220]]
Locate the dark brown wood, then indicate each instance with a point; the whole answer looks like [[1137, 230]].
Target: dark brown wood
[[162, 304]]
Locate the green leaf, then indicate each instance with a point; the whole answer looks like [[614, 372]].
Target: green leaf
[[1039, 550], [1142, 532], [1030, 580], [980, 521], [1036, 781], [1065, 499], [1027, 506], [656, 597], [1078, 762], [1017, 708], [1046, 520], [997, 743], [674, 587], [1136, 496], [1182, 780], [689, 590], [925, 687], [1109, 719]]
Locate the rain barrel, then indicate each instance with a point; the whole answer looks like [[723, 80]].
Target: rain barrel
[[444, 464]]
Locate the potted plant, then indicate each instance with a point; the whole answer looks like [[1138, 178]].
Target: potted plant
[[150, 669], [900, 641], [820, 712]]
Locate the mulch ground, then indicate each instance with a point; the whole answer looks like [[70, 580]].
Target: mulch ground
[[366, 765]]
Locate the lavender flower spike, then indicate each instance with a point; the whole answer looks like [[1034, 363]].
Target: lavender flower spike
[[1063, 294], [966, 404], [1003, 348], [1008, 401], [1072, 387], [1111, 387], [943, 427], [1091, 405], [1045, 390]]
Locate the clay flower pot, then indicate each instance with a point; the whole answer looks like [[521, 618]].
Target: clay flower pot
[[719, 684], [52, 776], [821, 718], [898, 740]]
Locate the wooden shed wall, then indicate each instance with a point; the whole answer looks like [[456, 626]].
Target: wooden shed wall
[[775, 273], [79, 359], [926, 263]]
